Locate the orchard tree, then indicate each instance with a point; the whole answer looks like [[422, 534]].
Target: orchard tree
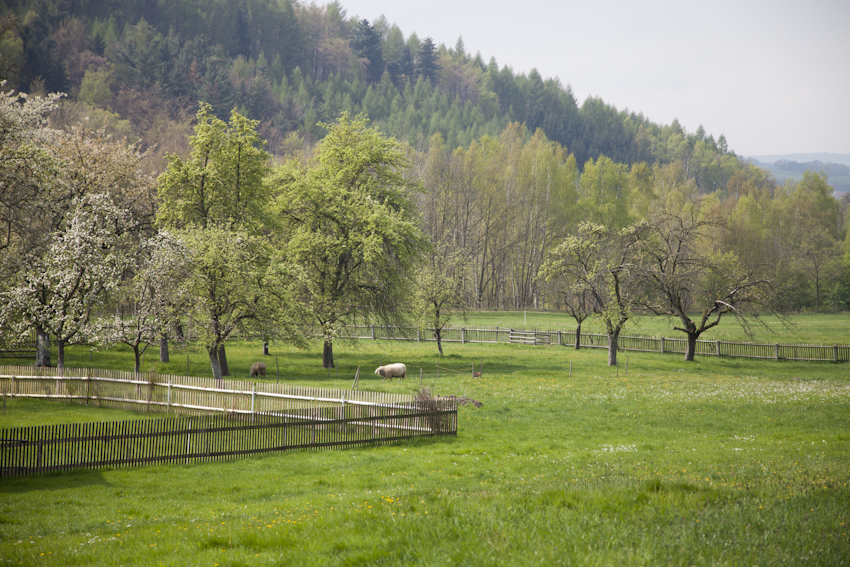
[[29, 172], [217, 199], [596, 265], [221, 184], [683, 273], [50, 181], [238, 282], [577, 298], [442, 291], [154, 298], [58, 291], [350, 224]]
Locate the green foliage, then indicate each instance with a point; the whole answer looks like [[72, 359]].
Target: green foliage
[[221, 183], [167, 46], [350, 223]]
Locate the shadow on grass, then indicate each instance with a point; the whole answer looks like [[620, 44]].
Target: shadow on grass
[[62, 480]]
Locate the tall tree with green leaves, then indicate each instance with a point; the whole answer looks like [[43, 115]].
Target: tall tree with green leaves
[[221, 184], [350, 225], [216, 201]]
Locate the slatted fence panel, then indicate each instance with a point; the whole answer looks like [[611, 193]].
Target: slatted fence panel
[[384, 418]]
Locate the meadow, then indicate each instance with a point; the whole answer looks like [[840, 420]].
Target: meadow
[[566, 462], [807, 328]]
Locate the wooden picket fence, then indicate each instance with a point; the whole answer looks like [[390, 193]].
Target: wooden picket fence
[[203, 419], [801, 352]]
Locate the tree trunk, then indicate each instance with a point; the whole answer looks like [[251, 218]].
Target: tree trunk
[[439, 336], [216, 367], [328, 354], [265, 348], [692, 347], [178, 332], [42, 345], [138, 356], [578, 336], [60, 353], [613, 345], [222, 360], [163, 348]]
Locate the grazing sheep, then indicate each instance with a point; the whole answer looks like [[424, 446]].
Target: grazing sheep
[[258, 369], [392, 370]]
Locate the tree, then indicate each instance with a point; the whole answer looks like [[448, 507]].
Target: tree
[[596, 265], [221, 183], [682, 272], [366, 44], [58, 291], [350, 224], [154, 298], [442, 290], [577, 298], [49, 180], [426, 60], [238, 282], [217, 200]]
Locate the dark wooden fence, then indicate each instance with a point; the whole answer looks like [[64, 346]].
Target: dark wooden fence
[[823, 353], [218, 420]]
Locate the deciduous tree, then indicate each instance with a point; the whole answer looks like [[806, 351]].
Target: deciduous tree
[[596, 265], [682, 272], [350, 224]]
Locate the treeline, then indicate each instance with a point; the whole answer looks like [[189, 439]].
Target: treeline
[[506, 202], [292, 65], [95, 250]]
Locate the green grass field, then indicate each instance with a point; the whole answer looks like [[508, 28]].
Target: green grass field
[[657, 462], [812, 328]]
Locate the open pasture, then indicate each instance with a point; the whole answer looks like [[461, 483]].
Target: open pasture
[[809, 328], [660, 462]]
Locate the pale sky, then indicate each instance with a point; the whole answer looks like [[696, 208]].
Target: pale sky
[[772, 75]]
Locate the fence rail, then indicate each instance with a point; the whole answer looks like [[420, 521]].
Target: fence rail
[[801, 352], [204, 419]]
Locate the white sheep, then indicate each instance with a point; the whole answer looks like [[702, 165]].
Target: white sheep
[[392, 370]]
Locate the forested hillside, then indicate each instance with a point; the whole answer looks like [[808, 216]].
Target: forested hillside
[[291, 65]]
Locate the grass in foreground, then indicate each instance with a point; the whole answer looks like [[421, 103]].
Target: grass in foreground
[[717, 462]]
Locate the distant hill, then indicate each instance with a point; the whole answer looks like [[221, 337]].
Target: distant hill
[[843, 159], [792, 166]]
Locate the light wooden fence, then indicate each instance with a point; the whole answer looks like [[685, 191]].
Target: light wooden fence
[[204, 419], [823, 353]]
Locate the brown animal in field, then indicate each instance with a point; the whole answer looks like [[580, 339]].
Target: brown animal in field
[[258, 369]]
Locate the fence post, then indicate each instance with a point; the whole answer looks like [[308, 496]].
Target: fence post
[[718, 348], [168, 398], [373, 332], [418, 335], [253, 398], [463, 336], [776, 353], [835, 353], [662, 345]]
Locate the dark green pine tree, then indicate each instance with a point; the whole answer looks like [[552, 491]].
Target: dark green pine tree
[[426, 60], [366, 44]]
